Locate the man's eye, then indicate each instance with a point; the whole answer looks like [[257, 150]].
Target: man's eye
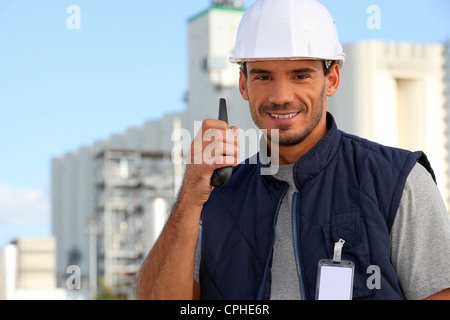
[[263, 78], [301, 77]]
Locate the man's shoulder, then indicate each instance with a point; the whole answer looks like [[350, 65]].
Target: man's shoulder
[[366, 156], [371, 145], [356, 146]]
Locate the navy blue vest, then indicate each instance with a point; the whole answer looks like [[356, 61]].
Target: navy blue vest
[[349, 188]]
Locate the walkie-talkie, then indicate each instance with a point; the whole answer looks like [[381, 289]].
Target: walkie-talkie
[[221, 176]]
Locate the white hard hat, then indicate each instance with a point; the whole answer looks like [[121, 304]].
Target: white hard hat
[[287, 30]]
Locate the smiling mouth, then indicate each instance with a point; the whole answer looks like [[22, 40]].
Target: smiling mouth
[[283, 116]]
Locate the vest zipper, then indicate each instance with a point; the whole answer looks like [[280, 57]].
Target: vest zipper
[[298, 258], [272, 243]]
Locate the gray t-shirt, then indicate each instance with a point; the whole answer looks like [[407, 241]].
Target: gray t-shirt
[[420, 241], [283, 287]]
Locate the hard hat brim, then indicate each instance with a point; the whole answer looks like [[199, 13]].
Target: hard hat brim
[[340, 59]]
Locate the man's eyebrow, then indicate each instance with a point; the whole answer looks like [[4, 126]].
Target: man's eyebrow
[[304, 70], [258, 71]]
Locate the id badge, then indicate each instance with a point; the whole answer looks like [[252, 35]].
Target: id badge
[[335, 277]]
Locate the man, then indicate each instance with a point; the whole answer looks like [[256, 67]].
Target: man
[[263, 236]]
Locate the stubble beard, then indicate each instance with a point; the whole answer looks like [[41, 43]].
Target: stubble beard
[[284, 138]]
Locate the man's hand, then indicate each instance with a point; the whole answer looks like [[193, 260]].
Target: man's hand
[[216, 145]]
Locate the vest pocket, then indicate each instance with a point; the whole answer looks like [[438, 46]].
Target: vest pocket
[[345, 224], [349, 225]]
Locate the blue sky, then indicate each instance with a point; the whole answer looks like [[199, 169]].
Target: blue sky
[[61, 89]]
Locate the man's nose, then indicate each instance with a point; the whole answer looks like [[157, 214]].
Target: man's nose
[[282, 92]]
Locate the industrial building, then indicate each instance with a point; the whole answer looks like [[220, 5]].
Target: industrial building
[[27, 270], [109, 202], [111, 199]]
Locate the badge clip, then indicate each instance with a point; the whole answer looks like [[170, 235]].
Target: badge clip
[[338, 250]]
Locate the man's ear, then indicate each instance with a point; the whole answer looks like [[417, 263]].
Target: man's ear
[[333, 80], [243, 85]]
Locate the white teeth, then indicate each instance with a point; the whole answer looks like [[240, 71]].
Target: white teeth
[[287, 116]]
